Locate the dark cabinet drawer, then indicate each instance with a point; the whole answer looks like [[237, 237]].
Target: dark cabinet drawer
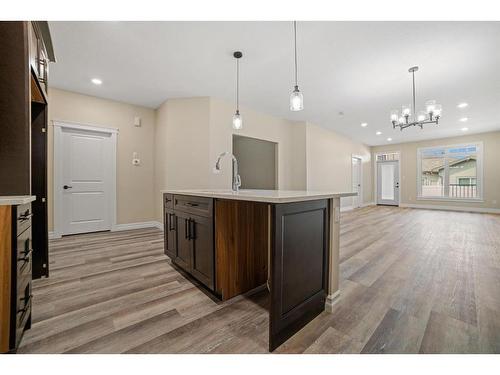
[[200, 206], [23, 216], [24, 252], [23, 308], [168, 200]]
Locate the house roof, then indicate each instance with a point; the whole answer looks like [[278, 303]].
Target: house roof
[[434, 165]]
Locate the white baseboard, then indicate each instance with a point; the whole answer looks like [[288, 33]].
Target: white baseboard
[[120, 227], [53, 236], [484, 210], [140, 225], [349, 208]]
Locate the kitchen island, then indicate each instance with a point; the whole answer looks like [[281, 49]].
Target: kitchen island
[[234, 242]]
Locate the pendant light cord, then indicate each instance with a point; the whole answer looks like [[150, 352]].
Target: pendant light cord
[[295, 44], [237, 84]]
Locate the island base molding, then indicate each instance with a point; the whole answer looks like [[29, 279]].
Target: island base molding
[[331, 301]]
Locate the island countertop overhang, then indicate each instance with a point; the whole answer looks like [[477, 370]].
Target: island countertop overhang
[[266, 196]]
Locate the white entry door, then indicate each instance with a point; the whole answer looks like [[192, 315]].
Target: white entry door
[[356, 182], [388, 183], [87, 159]]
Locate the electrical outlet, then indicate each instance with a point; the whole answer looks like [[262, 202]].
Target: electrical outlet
[[494, 201]]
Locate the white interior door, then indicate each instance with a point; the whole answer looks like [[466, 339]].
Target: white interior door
[[87, 158], [388, 183], [356, 181]]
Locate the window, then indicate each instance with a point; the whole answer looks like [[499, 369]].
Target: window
[[388, 156], [450, 172]]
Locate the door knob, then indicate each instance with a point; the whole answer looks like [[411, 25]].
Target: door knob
[[65, 187]]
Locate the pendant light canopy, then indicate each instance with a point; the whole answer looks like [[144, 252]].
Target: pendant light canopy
[[296, 98], [237, 120]]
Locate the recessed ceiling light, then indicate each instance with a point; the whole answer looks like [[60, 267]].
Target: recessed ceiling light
[[96, 81], [378, 133], [463, 119], [389, 139], [364, 124], [465, 129], [462, 105]]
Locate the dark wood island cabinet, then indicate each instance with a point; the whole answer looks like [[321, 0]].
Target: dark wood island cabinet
[[233, 242]]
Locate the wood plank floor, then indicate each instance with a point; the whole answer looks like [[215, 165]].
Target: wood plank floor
[[413, 281]]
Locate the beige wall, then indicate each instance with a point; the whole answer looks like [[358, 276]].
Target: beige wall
[[256, 125], [491, 159], [181, 146], [329, 162], [192, 132], [179, 142], [134, 183]]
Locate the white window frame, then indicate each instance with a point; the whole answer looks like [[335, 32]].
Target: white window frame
[[479, 177]]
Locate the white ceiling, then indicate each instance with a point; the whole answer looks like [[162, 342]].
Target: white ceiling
[[358, 68]]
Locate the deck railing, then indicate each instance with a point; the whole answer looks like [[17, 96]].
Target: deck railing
[[463, 191]]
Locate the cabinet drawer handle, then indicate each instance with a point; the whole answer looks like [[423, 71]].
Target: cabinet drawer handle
[[26, 257], [186, 234], [26, 304], [192, 229], [25, 216], [171, 222], [191, 204]]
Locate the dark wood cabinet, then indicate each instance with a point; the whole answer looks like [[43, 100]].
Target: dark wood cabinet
[[16, 249], [170, 233], [189, 236], [27, 48], [201, 234], [184, 245], [299, 267]]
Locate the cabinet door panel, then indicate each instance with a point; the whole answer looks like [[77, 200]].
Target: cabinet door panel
[[170, 232], [299, 267], [183, 255], [201, 233]]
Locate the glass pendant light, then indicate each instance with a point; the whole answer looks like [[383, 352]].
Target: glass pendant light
[[296, 98], [237, 120]]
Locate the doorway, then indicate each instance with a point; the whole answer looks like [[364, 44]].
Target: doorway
[[356, 178], [388, 182], [84, 178], [257, 162]]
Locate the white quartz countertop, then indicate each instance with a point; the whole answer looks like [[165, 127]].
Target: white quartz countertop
[[268, 196], [13, 200]]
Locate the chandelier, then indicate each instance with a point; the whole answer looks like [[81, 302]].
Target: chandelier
[[407, 117]]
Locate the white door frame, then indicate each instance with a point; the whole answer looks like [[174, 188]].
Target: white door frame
[[58, 169], [360, 197], [375, 174]]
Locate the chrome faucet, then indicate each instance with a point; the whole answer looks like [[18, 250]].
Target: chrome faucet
[[236, 177]]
